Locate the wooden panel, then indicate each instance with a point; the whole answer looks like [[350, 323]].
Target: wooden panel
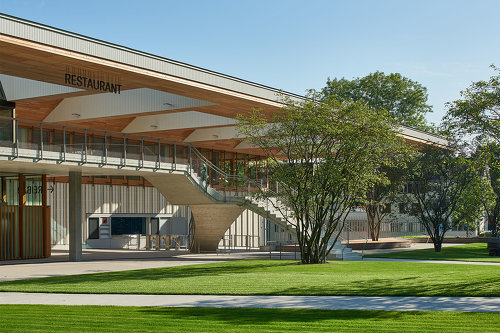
[[115, 125], [39, 65], [22, 59], [36, 110], [174, 135]]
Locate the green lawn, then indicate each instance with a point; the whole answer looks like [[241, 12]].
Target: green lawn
[[58, 318], [273, 277], [467, 252]]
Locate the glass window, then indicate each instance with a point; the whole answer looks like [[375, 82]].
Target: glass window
[[128, 225], [33, 188]]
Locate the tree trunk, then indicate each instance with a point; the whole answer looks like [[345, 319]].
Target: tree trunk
[[370, 217], [437, 240], [492, 224]]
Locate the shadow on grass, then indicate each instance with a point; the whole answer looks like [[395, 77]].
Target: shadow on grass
[[468, 252], [264, 277], [241, 316], [487, 287], [152, 274]]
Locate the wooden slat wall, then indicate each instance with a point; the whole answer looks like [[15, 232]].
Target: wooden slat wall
[[9, 232], [32, 232]]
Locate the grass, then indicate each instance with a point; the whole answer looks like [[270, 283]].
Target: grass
[[58, 318], [272, 277], [467, 252]]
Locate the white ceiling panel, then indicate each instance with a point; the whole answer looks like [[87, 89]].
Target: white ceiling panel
[[17, 88], [127, 102], [177, 120]]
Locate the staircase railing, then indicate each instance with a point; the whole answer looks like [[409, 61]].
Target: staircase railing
[[60, 142], [67, 143]]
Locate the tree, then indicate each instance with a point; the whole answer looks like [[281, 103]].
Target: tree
[[491, 156], [381, 194], [478, 112], [478, 198], [404, 99], [439, 178], [406, 102], [324, 155]]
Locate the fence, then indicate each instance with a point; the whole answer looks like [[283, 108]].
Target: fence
[[358, 229]]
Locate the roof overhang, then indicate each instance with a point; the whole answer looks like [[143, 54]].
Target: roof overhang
[[57, 76]]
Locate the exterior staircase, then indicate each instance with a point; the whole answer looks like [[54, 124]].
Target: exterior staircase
[[342, 252], [178, 175]]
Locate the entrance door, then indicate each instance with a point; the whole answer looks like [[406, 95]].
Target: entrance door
[[93, 228], [155, 226]]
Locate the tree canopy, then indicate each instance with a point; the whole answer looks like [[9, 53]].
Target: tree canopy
[[439, 179], [404, 99], [478, 111], [477, 115], [324, 154]]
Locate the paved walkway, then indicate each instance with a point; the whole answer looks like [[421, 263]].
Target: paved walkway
[[468, 304], [100, 261]]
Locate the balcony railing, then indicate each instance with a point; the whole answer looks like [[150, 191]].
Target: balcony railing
[[85, 146]]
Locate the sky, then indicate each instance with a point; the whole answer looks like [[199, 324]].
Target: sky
[[295, 45]]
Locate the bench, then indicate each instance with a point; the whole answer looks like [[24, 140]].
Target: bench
[[494, 246]]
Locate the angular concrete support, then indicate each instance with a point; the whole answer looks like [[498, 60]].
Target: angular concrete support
[[75, 216], [210, 224]]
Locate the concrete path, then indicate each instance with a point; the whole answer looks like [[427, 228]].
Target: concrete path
[[468, 304], [32, 271], [101, 261]]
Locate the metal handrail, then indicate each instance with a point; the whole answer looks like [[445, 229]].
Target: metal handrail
[[107, 148], [194, 156]]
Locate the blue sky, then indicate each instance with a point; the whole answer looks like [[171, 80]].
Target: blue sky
[[295, 45]]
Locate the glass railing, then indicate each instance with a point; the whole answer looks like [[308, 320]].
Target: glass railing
[[52, 141], [63, 143]]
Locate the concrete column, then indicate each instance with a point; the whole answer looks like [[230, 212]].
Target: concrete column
[[210, 224], [75, 216]]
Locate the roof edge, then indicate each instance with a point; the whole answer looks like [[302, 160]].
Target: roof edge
[[145, 54]]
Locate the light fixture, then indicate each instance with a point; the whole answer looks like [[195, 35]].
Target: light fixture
[[154, 126], [168, 104], [76, 115], [215, 136]]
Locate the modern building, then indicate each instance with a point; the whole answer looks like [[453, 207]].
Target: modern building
[[99, 142]]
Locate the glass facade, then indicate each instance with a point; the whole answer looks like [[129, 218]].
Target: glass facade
[[10, 189], [128, 226]]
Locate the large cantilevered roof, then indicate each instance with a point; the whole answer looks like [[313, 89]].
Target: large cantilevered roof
[[62, 77]]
